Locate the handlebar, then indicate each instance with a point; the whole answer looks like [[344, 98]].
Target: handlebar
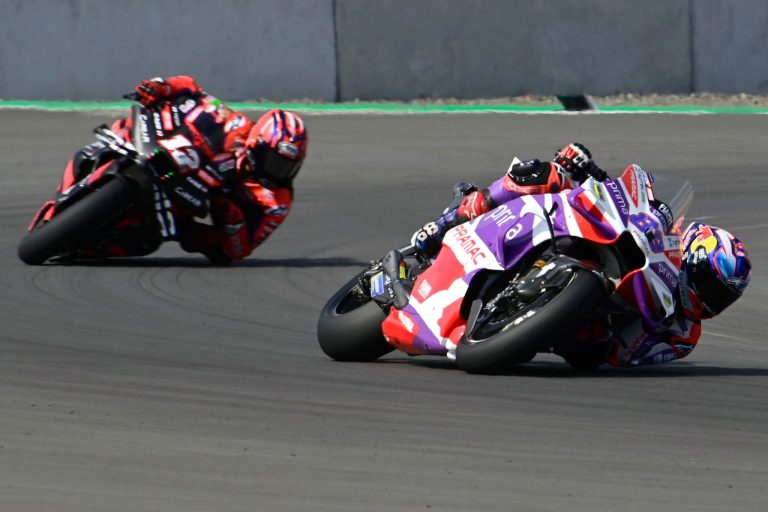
[[596, 172], [115, 142]]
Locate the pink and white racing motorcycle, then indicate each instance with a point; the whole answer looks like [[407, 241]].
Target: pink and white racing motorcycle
[[519, 280]]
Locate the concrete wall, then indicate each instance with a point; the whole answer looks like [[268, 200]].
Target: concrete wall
[[383, 49], [97, 49], [731, 46], [474, 48]]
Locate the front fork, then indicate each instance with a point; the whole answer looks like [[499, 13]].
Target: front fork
[[389, 281]]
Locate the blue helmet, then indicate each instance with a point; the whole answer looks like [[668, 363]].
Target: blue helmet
[[716, 269]]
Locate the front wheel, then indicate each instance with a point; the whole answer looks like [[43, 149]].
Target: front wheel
[[80, 223], [508, 339], [350, 329]]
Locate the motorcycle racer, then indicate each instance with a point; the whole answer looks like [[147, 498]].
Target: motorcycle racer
[[256, 163], [715, 265]]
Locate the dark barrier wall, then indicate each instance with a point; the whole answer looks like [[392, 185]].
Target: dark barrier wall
[[97, 49], [383, 49]]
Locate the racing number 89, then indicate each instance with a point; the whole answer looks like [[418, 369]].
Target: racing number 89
[[650, 226]]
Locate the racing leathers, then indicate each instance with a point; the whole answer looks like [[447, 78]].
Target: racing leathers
[[245, 210], [628, 343]]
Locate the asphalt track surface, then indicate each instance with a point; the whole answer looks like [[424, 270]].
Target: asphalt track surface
[[163, 384]]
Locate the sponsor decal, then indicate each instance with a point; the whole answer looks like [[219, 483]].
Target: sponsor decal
[[645, 189], [176, 116], [514, 231], [618, 196], [502, 215], [672, 250], [167, 120], [158, 124], [144, 128], [189, 197], [424, 289], [706, 240], [407, 322], [199, 186], [633, 188], [667, 275], [469, 244], [664, 214]]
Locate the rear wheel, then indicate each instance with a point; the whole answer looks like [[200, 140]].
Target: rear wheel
[[507, 336], [79, 224], [349, 329]]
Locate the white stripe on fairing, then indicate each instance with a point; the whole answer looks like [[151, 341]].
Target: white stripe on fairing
[[431, 310], [539, 224]]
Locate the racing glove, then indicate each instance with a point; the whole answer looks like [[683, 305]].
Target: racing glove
[[149, 92], [576, 161]]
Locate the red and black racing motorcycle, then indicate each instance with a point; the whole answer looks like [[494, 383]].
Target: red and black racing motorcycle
[[129, 202]]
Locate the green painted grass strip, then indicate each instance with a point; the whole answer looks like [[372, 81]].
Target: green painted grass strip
[[395, 108]]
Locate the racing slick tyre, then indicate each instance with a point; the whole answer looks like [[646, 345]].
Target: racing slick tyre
[[78, 224], [349, 329], [530, 329]]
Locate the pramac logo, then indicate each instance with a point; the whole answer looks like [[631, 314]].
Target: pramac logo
[[466, 242]]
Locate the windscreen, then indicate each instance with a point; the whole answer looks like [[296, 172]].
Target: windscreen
[[676, 192]]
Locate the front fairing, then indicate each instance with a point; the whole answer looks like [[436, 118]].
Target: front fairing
[[431, 323]]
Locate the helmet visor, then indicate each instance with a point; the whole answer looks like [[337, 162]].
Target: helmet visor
[[281, 163], [713, 292], [280, 167]]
